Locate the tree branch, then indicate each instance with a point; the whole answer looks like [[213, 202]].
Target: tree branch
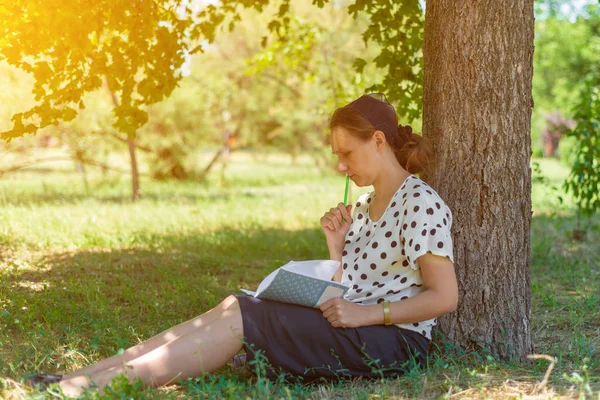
[[87, 161], [31, 162], [124, 140], [105, 166], [280, 81]]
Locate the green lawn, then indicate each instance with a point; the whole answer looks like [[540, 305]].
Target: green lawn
[[83, 275]]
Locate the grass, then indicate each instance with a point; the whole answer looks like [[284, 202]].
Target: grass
[[83, 275]]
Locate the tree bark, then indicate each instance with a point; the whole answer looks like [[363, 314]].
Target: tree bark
[[478, 68], [135, 175]]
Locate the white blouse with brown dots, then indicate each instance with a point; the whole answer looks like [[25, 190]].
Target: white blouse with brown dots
[[379, 260]]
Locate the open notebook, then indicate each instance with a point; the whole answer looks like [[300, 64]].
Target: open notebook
[[305, 283]]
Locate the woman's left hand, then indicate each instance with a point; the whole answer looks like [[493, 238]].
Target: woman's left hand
[[344, 314]]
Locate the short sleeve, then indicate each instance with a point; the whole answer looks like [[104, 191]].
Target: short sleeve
[[426, 229]]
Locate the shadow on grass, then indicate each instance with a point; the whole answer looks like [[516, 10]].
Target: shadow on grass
[[556, 256], [100, 301], [75, 307], [565, 277]]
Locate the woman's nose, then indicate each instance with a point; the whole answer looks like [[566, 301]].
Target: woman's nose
[[342, 167]]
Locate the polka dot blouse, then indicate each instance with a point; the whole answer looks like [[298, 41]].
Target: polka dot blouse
[[379, 261]]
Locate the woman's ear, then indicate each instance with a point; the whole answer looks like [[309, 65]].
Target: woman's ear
[[380, 141]]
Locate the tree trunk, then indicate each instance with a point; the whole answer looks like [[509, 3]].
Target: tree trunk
[[84, 175], [478, 67], [135, 176]]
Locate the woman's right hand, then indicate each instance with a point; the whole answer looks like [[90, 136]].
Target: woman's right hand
[[335, 230]]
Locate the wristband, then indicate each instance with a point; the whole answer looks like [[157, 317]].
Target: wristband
[[387, 318]]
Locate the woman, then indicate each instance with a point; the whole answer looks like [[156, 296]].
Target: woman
[[395, 250]]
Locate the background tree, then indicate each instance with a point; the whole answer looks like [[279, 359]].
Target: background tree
[[136, 47], [584, 180], [567, 65], [565, 53]]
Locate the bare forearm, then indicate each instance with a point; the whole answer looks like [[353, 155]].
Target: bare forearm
[[426, 305], [335, 254]]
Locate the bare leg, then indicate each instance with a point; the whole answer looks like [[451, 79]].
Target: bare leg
[[157, 341], [204, 349]]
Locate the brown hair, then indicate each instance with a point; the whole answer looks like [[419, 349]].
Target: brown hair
[[414, 152]]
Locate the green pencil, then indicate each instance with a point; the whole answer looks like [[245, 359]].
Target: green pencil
[[346, 193]]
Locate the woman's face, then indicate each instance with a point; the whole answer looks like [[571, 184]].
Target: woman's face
[[356, 158]]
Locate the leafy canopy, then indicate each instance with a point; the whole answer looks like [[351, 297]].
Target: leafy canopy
[[139, 47], [70, 46]]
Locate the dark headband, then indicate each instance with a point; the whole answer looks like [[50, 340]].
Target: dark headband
[[375, 108]]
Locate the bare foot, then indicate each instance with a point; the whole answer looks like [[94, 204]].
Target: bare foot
[[75, 386]]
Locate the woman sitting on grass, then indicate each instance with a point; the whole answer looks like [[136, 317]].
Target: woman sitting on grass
[[396, 257]]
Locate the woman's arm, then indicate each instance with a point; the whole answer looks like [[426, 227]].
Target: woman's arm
[[335, 254], [335, 233], [440, 295]]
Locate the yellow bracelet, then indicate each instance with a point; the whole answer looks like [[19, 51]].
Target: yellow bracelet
[[387, 319]]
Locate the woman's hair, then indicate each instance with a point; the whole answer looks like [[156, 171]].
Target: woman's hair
[[414, 152]]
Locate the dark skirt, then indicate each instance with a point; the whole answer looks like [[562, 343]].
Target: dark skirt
[[297, 343]]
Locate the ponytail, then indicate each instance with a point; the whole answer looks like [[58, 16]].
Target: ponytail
[[414, 152]]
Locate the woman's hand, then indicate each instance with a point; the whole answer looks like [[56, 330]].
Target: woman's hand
[[344, 314], [336, 230]]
